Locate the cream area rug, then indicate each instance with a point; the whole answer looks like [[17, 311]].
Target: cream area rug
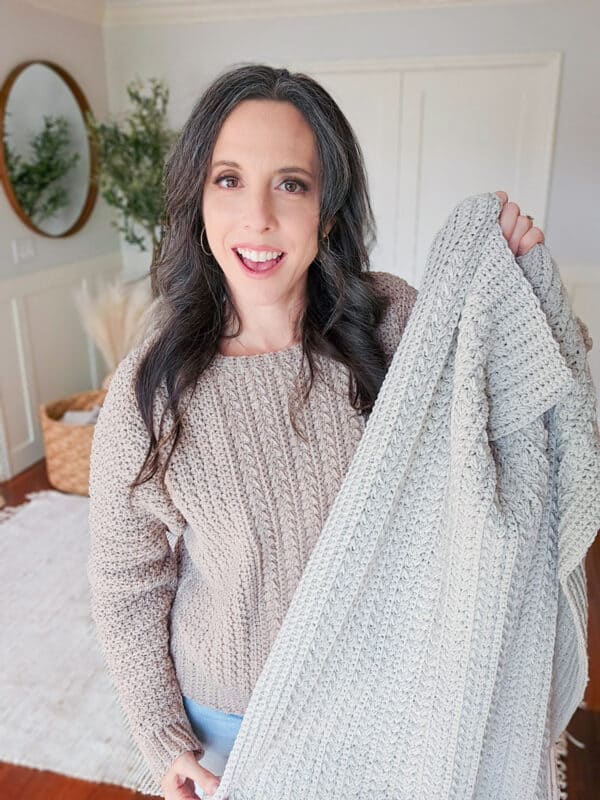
[[58, 710]]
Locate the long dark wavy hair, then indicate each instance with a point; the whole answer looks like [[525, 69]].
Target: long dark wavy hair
[[192, 299]]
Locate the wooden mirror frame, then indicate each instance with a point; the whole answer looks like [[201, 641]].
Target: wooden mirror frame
[[84, 106]]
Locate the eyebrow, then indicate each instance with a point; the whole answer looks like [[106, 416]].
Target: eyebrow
[[280, 171]]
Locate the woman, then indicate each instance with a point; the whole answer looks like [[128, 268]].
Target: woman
[[268, 224]]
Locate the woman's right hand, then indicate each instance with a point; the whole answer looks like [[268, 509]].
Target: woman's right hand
[[178, 782]]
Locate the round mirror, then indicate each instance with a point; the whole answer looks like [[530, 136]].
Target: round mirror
[[46, 161]]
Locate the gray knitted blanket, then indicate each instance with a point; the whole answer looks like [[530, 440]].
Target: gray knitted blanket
[[435, 648]]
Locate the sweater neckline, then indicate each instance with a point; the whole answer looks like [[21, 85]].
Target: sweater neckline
[[257, 358]]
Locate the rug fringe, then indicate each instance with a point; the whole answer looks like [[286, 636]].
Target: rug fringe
[[8, 512], [44, 493], [73, 773], [141, 778]]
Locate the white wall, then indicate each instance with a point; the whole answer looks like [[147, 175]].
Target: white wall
[[44, 354], [189, 54]]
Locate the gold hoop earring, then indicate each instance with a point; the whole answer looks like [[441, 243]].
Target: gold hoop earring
[[201, 245]]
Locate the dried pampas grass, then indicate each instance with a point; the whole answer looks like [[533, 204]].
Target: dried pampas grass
[[117, 317]]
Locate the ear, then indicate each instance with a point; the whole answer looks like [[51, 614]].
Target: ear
[[329, 226]]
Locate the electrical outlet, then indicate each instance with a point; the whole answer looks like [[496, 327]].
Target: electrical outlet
[[22, 249]]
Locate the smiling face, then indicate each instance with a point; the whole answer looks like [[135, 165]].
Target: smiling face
[[258, 206]]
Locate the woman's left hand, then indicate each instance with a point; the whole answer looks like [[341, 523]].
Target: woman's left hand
[[517, 228]]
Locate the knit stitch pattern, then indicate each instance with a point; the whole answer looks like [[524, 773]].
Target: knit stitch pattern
[[435, 646], [189, 586]]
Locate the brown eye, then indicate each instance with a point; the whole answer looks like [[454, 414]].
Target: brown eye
[[225, 178], [294, 183]]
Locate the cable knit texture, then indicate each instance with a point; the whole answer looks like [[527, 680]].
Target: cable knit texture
[[189, 587], [435, 646]]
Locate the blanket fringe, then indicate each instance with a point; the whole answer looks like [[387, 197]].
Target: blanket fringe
[[561, 764]]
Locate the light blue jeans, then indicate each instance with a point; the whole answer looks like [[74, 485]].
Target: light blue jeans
[[217, 731]]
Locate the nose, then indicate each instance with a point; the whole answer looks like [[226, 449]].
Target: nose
[[259, 212]]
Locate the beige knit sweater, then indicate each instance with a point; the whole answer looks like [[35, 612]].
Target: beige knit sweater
[[189, 587]]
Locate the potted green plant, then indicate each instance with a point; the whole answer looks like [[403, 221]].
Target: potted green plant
[[131, 154]]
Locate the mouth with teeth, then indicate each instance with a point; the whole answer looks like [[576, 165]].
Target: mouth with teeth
[[259, 267]]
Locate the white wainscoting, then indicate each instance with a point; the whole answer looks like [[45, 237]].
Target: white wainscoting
[[44, 352]]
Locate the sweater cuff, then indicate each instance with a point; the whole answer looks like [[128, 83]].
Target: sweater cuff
[[161, 747]]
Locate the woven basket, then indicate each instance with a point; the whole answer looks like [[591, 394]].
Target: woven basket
[[67, 447]]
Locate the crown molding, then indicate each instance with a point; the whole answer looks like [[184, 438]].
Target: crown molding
[[91, 11], [174, 12], [160, 12]]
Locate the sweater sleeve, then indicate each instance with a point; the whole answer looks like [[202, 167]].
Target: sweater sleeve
[[402, 299], [132, 573]]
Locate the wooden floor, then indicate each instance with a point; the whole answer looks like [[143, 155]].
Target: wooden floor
[[583, 765]]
